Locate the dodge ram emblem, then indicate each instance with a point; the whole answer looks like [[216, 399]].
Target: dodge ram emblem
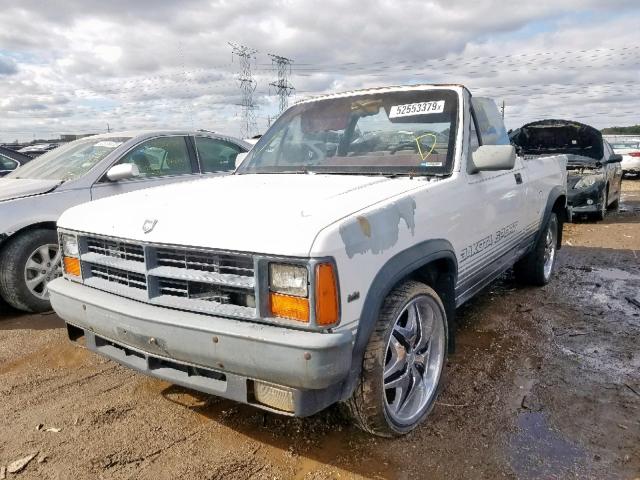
[[148, 225]]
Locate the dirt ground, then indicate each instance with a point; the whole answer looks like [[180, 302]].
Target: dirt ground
[[545, 383]]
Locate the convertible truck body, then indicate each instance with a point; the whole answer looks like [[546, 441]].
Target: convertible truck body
[[267, 286]]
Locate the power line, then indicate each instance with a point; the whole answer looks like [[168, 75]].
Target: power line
[[247, 87], [282, 85]]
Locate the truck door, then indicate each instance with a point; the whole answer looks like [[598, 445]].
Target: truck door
[[496, 207]]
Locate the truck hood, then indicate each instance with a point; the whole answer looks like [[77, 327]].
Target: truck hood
[[272, 214], [11, 188]]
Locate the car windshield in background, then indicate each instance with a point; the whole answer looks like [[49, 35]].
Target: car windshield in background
[[404, 132], [69, 161], [623, 146]]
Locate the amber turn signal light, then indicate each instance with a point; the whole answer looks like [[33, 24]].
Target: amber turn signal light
[[326, 295], [72, 266], [286, 306]]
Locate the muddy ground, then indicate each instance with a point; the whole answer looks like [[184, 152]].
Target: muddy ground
[[545, 383]]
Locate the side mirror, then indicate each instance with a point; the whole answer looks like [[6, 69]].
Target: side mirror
[[492, 157], [615, 158], [240, 158], [123, 171]]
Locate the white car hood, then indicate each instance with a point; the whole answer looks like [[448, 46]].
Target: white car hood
[[273, 214], [11, 188]]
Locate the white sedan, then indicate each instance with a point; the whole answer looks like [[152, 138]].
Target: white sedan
[[630, 151]]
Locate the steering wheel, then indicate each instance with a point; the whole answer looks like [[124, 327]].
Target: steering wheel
[[316, 151], [404, 146]]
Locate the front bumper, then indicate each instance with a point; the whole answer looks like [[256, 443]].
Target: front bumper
[[585, 201], [215, 355]]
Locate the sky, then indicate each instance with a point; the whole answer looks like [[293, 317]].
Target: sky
[[85, 66]]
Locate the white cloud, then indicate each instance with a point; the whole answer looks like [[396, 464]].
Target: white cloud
[[78, 65]]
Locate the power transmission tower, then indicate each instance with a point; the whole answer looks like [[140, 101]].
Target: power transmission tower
[[247, 87], [282, 85]]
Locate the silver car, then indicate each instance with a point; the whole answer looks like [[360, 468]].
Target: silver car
[[34, 196]]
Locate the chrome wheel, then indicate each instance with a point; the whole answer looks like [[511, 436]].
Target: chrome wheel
[[414, 359], [43, 265], [550, 247]]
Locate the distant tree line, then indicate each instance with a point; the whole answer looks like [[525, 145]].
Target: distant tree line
[[632, 130]]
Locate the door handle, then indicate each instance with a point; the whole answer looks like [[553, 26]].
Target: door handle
[[518, 178]]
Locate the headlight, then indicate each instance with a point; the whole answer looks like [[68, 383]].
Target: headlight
[[70, 255], [69, 245], [288, 279], [289, 295], [587, 181]]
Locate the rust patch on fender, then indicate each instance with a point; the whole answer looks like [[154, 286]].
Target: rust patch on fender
[[378, 230]]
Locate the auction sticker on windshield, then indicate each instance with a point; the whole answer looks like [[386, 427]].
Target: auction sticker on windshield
[[420, 108]]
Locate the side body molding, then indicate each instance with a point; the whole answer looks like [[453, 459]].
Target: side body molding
[[398, 267]]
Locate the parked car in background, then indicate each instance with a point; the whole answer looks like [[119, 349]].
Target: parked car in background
[[33, 197], [329, 266], [10, 160], [594, 177], [630, 151], [38, 149]]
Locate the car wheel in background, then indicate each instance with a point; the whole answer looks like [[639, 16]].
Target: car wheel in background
[[603, 208], [537, 267], [28, 263], [616, 203], [403, 363]]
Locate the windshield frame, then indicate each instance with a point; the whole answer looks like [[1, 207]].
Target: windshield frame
[[447, 93]]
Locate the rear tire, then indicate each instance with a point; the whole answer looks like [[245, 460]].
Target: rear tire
[[403, 364], [537, 267], [27, 264]]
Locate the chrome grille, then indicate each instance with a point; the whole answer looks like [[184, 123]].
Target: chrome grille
[[115, 249], [206, 292], [115, 275], [205, 261], [178, 277]]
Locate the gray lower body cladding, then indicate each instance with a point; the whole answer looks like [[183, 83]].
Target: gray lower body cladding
[[215, 355]]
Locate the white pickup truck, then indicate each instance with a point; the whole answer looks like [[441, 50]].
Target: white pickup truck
[[328, 268]]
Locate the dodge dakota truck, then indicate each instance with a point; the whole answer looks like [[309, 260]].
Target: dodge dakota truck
[[329, 266]]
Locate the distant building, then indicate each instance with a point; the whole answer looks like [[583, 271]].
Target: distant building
[[70, 137]]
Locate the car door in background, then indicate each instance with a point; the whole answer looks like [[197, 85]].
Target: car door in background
[[613, 173], [160, 160], [216, 155]]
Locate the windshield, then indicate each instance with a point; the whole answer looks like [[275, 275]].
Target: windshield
[[69, 161], [410, 132]]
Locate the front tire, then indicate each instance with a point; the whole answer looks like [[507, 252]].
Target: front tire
[[27, 264], [536, 268], [603, 209], [403, 363]]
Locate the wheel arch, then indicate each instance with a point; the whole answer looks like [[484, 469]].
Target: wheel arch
[[432, 262], [49, 225], [556, 203]]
